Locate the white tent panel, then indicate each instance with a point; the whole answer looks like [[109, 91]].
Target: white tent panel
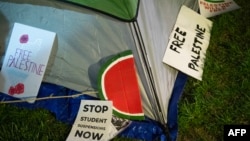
[[155, 37]]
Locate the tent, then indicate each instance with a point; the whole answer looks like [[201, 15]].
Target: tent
[[90, 31]]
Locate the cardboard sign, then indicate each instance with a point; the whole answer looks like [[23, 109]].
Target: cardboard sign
[[117, 81], [210, 8], [188, 43], [93, 121], [25, 61]]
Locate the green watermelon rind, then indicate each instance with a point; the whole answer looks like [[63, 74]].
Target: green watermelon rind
[[139, 116]]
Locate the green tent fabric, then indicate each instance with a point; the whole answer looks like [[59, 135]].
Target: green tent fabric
[[125, 10]]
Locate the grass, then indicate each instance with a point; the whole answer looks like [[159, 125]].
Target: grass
[[223, 97], [30, 125]]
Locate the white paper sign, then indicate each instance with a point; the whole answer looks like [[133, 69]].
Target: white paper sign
[[93, 121], [25, 61], [210, 8], [188, 43]]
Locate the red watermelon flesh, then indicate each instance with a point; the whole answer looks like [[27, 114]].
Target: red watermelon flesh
[[119, 83]]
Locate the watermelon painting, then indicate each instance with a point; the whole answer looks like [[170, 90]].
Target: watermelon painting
[[118, 82]]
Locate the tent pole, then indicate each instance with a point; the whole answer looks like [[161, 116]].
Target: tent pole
[[141, 50]]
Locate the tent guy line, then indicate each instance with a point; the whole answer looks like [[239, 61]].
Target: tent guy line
[[47, 97]]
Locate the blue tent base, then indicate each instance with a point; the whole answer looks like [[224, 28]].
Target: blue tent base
[[147, 130], [173, 105], [66, 109]]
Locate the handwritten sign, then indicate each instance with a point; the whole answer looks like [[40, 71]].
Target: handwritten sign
[[92, 122], [210, 8], [188, 43], [25, 61]]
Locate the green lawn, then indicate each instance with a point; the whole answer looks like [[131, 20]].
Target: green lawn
[[30, 125], [223, 97]]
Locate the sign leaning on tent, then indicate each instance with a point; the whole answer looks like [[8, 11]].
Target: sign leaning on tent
[[188, 43], [93, 121], [210, 8], [23, 68], [118, 82]]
